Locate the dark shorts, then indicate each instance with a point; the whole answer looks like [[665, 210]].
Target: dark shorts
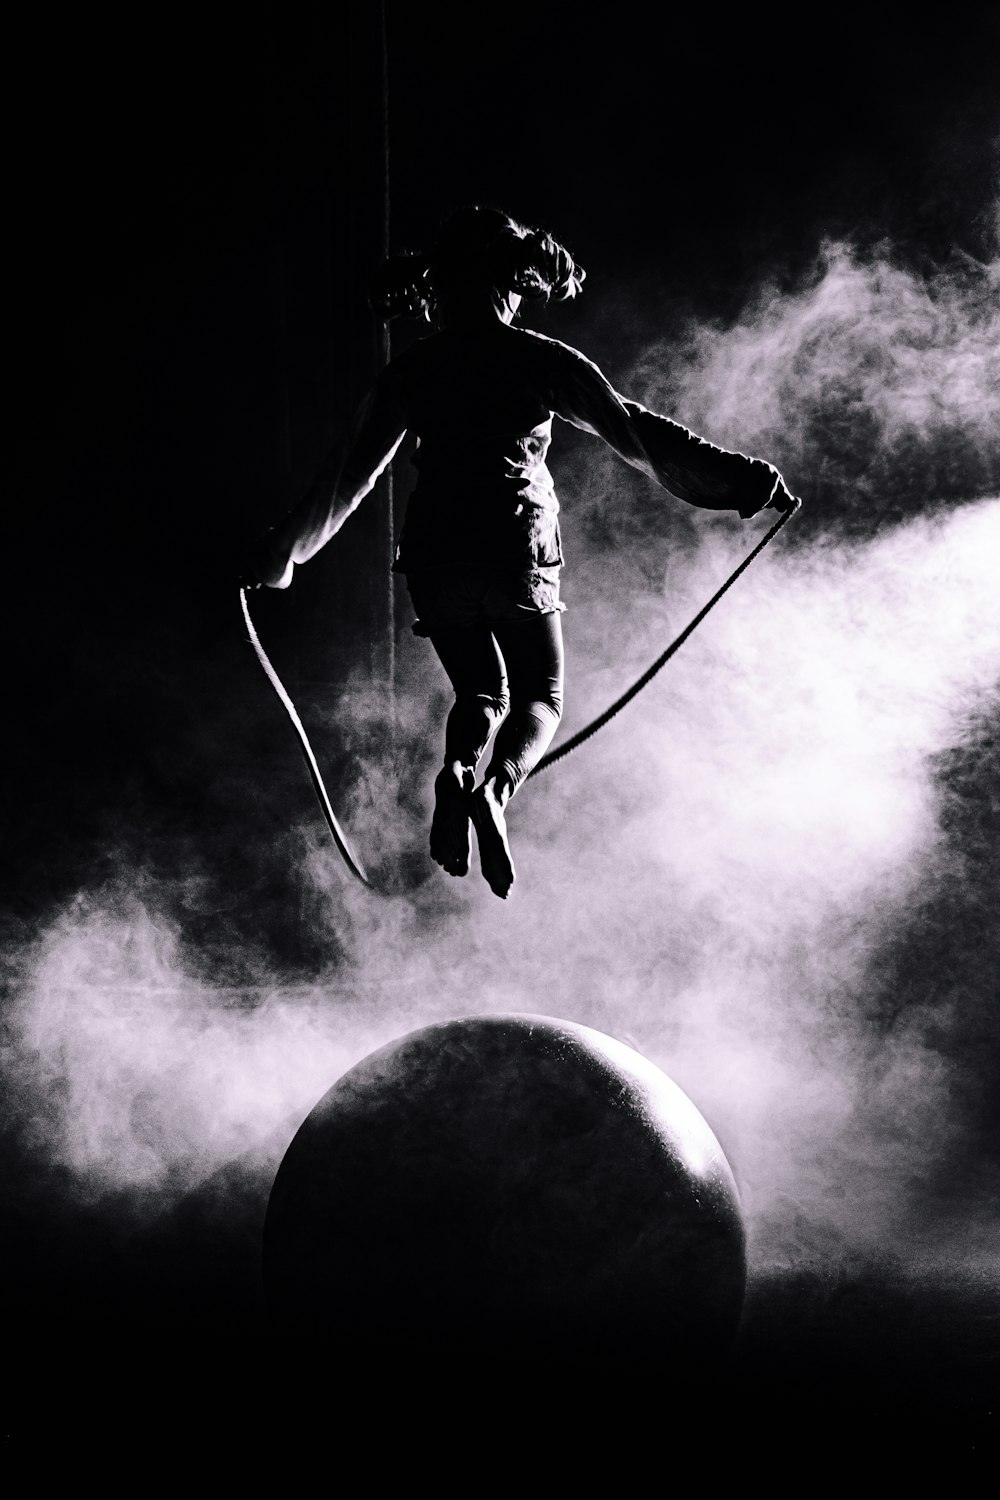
[[449, 599]]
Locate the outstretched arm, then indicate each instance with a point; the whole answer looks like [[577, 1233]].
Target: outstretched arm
[[348, 475], [688, 466]]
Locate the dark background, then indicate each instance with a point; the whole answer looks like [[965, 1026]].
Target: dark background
[[195, 200]]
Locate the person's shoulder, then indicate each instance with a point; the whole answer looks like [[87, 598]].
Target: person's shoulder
[[556, 355], [411, 365], [547, 345]]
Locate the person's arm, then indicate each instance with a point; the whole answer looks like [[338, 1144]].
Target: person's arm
[[348, 475], [688, 466]]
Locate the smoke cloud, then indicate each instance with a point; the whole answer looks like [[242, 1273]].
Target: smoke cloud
[[726, 878]]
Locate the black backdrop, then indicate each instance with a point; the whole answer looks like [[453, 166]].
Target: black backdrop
[[195, 200]]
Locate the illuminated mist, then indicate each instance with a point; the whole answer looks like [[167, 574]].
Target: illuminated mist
[[743, 876]]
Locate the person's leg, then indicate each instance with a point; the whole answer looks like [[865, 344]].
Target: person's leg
[[475, 669], [532, 649]]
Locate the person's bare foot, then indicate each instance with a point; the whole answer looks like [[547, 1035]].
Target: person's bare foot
[[451, 833], [487, 805]]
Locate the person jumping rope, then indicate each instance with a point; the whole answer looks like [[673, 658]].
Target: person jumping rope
[[480, 547]]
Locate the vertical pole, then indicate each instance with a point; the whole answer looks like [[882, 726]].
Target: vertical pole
[[385, 354]]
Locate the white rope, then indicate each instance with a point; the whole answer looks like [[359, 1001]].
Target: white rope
[[349, 857]]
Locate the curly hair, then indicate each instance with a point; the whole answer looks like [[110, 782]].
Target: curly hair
[[478, 250]]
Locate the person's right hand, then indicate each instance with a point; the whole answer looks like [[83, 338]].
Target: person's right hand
[[279, 581], [260, 568]]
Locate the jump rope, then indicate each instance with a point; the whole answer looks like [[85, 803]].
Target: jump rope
[[343, 844]]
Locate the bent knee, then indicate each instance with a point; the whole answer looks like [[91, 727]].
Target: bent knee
[[495, 705], [542, 695], [544, 706]]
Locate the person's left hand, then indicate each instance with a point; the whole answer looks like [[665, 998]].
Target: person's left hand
[[782, 499]]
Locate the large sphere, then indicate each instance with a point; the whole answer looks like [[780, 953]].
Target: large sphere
[[507, 1185]]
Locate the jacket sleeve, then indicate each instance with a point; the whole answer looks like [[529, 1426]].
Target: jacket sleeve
[[688, 466], [348, 475]]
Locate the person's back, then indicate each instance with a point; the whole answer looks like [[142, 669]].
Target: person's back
[[478, 401], [473, 382], [480, 547]]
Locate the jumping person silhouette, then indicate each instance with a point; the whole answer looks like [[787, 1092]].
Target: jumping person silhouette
[[480, 547]]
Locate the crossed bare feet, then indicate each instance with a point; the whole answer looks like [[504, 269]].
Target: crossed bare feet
[[487, 805], [457, 809], [451, 833]]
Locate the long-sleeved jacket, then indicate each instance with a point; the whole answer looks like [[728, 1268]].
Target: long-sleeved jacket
[[481, 403]]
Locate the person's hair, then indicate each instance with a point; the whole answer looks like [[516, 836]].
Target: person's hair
[[479, 250]]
